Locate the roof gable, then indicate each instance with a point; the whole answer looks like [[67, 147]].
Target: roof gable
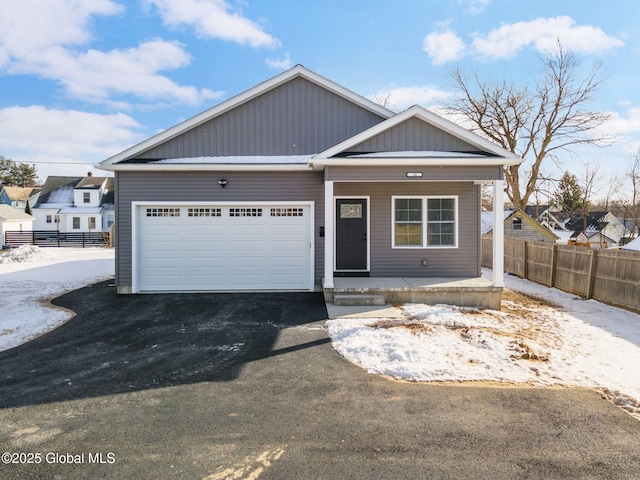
[[9, 213], [17, 193], [273, 118], [420, 130]]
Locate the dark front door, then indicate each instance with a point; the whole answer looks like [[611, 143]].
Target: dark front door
[[351, 234]]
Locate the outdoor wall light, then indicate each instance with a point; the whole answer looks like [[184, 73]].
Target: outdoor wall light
[[223, 182]]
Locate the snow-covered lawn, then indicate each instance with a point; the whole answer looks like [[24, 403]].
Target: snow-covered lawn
[[544, 337], [30, 277], [541, 337]]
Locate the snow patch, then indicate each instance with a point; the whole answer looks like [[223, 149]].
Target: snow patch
[[24, 253]]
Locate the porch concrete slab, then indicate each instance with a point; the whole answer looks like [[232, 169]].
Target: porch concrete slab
[[474, 292], [398, 283], [363, 311]]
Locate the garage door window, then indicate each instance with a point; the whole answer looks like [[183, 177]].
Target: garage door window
[[287, 212], [163, 212], [245, 212], [205, 212]]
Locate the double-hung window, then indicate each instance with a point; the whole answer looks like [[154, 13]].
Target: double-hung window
[[425, 222]]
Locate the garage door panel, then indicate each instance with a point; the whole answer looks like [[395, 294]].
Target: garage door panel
[[204, 262], [195, 248], [246, 262]]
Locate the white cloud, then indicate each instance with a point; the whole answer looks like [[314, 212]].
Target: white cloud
[[46, 39], [214, 19], [543, 34], [401, 98], [280, 64], [67, 136], [474, 6], [444, 46], [28, 26]]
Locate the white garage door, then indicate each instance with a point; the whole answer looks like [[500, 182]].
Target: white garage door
[[224, 247]]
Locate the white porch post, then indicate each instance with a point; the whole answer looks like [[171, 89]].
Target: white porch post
[[328, 233], [498, 233]]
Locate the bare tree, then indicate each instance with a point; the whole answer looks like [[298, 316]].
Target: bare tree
[[534, 123]]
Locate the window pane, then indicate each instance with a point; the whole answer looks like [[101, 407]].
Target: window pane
[[408, 222], [408, 234]]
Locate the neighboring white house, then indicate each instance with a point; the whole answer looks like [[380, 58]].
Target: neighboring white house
[[75, 204], [12, 219]]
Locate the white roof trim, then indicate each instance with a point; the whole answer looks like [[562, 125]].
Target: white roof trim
[[297, 71], [427, 116], [319, 164], [204, 167]]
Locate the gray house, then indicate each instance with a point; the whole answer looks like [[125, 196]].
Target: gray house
[[296, 183]]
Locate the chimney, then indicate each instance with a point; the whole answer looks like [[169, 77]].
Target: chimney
[[89, 174]]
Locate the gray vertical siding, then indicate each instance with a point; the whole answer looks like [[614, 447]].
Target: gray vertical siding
[[297, 118], [414, 135], [389, 262], [202, 187]]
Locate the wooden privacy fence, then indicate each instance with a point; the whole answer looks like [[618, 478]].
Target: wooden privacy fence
[[608, 275], [53, 238]]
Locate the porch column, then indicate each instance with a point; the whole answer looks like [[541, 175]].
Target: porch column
[[328, 233], [498, 233]]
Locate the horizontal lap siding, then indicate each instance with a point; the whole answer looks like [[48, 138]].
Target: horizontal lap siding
[[389, 262], [203, 187]]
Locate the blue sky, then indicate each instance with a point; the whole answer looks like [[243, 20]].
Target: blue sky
[[82, 80]]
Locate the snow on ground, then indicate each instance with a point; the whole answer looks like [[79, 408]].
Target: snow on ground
[[31, 276], [545, 337]]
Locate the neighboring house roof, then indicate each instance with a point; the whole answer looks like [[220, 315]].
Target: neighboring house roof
[[57, 190], [9, 213], [487, 222], [91, 182], [534, 211], [632, 245], [18, 194]]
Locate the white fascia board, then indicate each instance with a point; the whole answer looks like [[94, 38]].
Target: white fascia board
[[319, 164], [508, 158], [202, 167], [297, 71]]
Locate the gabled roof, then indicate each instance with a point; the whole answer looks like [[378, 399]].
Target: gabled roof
[[7, 212], [18, 194], [487, 222], [486, 153], [91, 182], [55, 184], [236, 101]]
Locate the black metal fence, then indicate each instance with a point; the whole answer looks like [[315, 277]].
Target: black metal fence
[[53, 238]]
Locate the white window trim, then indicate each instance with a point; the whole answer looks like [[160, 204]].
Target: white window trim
[[424, 199]]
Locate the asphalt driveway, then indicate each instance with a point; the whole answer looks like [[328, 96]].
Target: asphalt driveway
[[248, 386]]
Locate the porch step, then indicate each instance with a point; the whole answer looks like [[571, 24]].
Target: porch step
[[352, 300]]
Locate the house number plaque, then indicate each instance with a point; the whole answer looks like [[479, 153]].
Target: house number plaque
[[350, 210]]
